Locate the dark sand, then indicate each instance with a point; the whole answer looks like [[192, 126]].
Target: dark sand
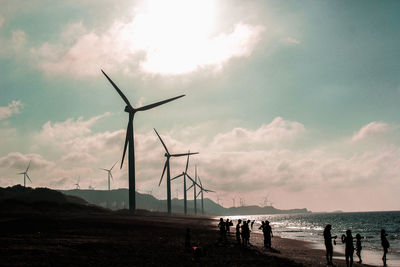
[[120, 239]]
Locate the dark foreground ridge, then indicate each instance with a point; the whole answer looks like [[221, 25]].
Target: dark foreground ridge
[[118, 199]]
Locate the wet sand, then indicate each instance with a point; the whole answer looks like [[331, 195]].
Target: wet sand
[[298, 251], [148, 239]]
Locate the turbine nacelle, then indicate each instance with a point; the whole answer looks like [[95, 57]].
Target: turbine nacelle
[[129, 109]]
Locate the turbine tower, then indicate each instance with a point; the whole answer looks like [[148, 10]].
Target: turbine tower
[[77, 183], [202, 189], [194, 188], [184, 174], [109, 174], [25, 173], [167, 166], [130, 136]]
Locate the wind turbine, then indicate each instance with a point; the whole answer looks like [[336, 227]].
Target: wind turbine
[[109, 174], [194, 188], [184, 174], [25, 173], [202, 189], [167, 166], [130, 136], [77, 183]]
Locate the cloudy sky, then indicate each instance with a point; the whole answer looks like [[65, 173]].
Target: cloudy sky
[[294, 100]]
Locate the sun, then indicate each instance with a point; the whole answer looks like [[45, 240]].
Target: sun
[[174, 34]]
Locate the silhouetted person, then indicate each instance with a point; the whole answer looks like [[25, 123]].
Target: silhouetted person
[[187, 238], [349, 250], [328, 243], [252, 223], [238, 232], [385, 245], [358, 247], [228, 226], [267, 231], [245, 233], [222, 230]]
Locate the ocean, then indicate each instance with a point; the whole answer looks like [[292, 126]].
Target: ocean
[[309, 227]]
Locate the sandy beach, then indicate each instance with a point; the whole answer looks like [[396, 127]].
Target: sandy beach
[[147, 239]]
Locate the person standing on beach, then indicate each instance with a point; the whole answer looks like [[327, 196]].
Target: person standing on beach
[[222, 230], [238, 231], [358, 248], [328, 243], [252, 223], [245, 233], [228, 226], [349, 251], [385, 245], [267, 231]]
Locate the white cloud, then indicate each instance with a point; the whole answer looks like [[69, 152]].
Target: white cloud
[[274, 134], [13, 108], [290, 40], [372, 130], [69, 129], [19, 162], [162, 37], [246, 162]]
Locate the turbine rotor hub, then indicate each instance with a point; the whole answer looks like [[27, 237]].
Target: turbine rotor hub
[[129, 109]]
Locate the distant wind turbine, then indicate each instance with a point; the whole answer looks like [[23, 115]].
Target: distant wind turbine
[[184, 174], [25, 173], [109, 174], [194, 188], [167, 166], [129, 139], [202, 189], [77, 183]]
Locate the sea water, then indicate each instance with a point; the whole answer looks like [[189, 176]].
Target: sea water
[[310, 227]]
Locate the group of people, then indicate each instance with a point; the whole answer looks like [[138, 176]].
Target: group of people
[[348, 240], [243, 239], [243, 231]]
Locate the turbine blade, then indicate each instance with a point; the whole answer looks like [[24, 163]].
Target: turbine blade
[[187, 162], [199, 193], [103, 169], [126, 143], [184, 154], [209, 191], [162, 175], [150, 106], [113, 165], [200, 182], [118, 90], [189, 188], [176, 177], [112, 178], [27, 176], [28, 166], [194, 182], [21, 173], [162, 142]]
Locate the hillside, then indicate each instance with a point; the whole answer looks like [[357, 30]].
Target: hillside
[[118, 199], [19, 199]]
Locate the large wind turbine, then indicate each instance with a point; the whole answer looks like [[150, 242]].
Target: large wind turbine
[[109, 174], [130, 139], [167, 166], [25, 173], [202, 189], [184, 174]]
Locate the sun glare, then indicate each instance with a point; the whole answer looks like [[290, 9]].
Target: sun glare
[[173, 33]]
